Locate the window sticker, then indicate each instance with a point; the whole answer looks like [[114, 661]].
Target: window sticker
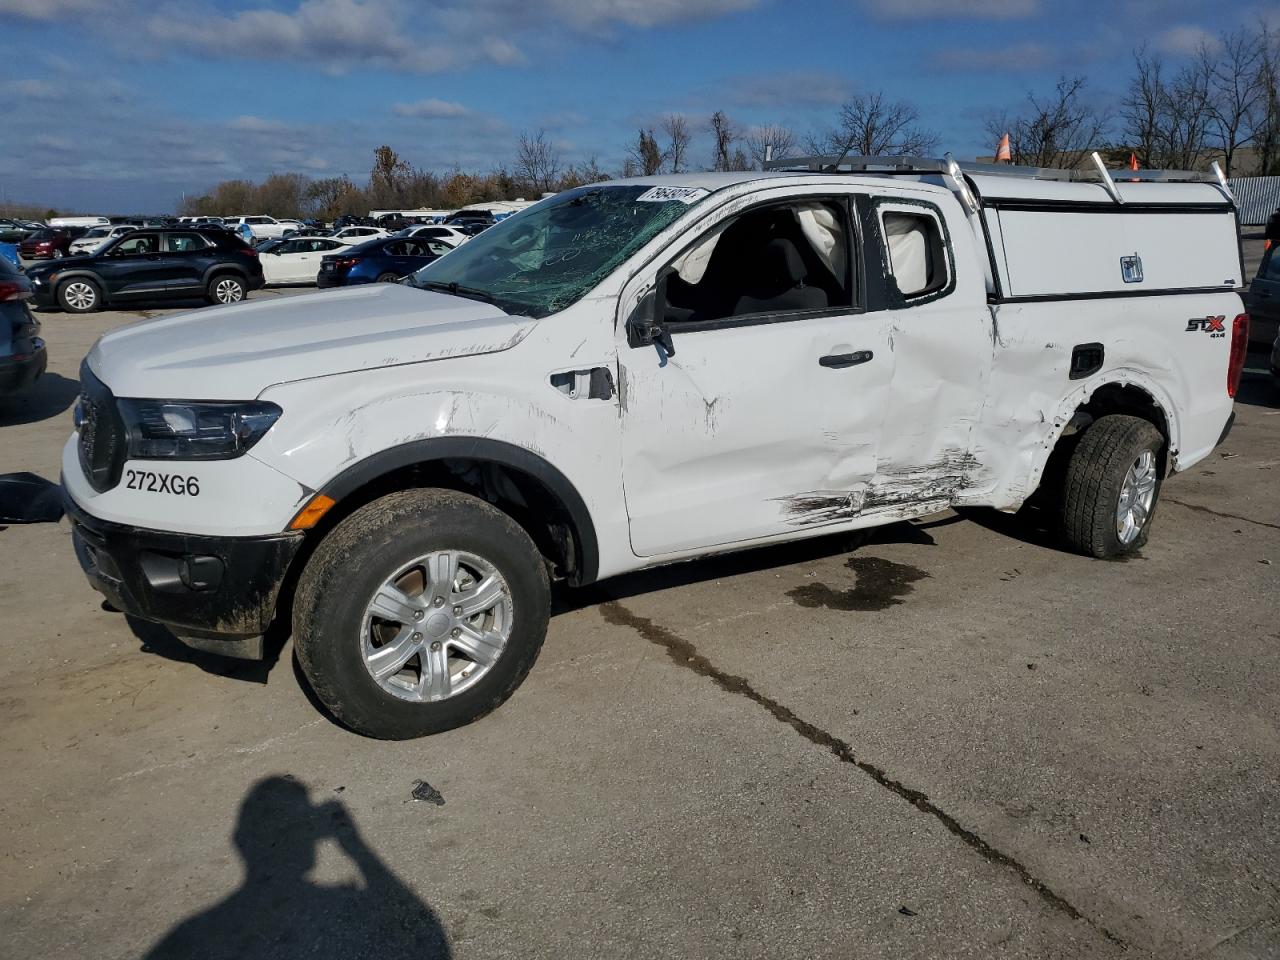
[[667, 194]]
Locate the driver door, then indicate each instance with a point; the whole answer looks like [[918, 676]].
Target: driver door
[[767, 418]]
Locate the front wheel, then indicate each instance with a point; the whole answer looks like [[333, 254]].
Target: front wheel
[[226, 289], [1111, 486], [420, 612]]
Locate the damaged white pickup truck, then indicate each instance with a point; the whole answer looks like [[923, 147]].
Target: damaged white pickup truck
[[644, 371]]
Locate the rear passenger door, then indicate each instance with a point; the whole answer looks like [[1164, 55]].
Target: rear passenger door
[[183, 261], [931, 293]]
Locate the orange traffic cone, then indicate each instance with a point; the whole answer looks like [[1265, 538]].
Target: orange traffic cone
[[1133, 161], [1002, 151]]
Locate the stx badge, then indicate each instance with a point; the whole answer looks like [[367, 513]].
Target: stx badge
[[1213, 326]]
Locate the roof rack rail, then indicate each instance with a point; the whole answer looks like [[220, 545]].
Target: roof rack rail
[[925, 165]]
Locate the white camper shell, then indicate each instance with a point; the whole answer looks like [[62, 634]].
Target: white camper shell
[[644, 371]]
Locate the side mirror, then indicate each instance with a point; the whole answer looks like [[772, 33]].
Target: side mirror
[[645, 326]]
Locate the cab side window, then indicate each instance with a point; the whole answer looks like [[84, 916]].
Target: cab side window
[[778, 259], [183, 242], [919, 263]]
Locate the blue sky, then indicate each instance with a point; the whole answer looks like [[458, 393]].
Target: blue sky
[[124, 105]]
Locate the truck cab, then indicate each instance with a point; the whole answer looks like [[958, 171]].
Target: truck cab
[[640, 372]]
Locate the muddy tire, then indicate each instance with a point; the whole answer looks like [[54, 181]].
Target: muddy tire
[[1111, 487], [420, 612]]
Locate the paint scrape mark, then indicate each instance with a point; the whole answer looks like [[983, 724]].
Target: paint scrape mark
[[683, 654]]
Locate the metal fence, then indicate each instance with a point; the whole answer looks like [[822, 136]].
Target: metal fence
[[1257, 198]]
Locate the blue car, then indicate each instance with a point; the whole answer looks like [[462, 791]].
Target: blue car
[[379, 261]]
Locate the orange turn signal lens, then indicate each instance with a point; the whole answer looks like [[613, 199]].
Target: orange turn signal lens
[[310, 515]]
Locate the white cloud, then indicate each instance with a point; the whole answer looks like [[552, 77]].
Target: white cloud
[[431, 109], [41, 90], [952, 9], [1185, 40], [49, 10], [1016, 58]]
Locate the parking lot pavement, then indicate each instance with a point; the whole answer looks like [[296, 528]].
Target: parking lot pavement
[[953, 741]]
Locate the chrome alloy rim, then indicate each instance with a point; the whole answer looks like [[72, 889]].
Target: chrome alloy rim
[[1136, 496], [437, 626], [228, 291], [80, 295]]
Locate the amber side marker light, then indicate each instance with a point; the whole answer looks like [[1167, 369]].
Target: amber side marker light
[[310, 515]]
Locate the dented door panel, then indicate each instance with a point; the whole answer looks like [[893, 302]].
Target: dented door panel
[[743, 434]]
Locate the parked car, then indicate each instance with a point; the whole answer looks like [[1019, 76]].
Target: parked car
[[49, 243], [9, 251], [296, 260], [153, 265], [479, 216], [1271, 233], [350, 220], [23, 356], [262, 228], [1264, 300], [15, 231], [438, 231], [378, 261], [427, 456], [82, 222], [358, 234], [95, 237]]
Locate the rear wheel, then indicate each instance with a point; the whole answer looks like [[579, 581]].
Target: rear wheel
[[79, 295], [1111, 487], [226, 288], [420, 612], [388, 278]]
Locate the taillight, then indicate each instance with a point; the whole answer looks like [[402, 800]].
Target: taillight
[[249, 251], [1239, 347], [13, 291], [346, 261]]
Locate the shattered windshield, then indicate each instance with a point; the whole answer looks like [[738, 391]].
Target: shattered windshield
[[548, 257]]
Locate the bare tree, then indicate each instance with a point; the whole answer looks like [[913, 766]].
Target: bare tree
[[725, 134], [1057, 130], [1266, 137], [1142, 111], [870, 125], [537, 161], [770, 141], [644, 155], [676, 127], [1235, 92]]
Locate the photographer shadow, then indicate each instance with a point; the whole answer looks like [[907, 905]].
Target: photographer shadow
[[280, 913]]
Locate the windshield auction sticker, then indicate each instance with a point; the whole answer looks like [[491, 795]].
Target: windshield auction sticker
[[667, 194]]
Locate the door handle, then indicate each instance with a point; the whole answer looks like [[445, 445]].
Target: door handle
[[838, 361]]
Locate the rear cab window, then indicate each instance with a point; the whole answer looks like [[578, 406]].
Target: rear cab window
[[919, 263]]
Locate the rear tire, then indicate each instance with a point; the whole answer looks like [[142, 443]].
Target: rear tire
[[388, 278], [377, 674], [79, 295], [1111, 487], [226, 288]]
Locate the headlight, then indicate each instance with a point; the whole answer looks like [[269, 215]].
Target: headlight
[[183, 430]]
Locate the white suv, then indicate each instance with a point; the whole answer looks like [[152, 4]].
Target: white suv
[[639, 372]]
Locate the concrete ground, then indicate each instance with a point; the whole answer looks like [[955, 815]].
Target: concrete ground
[[954, 741]]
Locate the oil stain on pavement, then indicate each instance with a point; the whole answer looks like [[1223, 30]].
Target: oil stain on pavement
[[880, 584]]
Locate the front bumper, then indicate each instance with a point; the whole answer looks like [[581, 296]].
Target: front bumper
[[18, 374], [213, 593]]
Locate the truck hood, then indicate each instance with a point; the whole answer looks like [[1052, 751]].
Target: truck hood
[[236, 352]]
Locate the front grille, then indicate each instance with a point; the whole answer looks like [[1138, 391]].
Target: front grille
[[102, 435]]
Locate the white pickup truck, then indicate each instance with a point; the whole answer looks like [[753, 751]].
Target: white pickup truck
[[645, 371]]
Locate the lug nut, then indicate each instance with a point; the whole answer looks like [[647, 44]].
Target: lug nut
[[418, 615], [435, 644], [457, 611], [457, 632], [439, 601], [417, 637]]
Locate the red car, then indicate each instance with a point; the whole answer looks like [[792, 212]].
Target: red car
[[48, 243]]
